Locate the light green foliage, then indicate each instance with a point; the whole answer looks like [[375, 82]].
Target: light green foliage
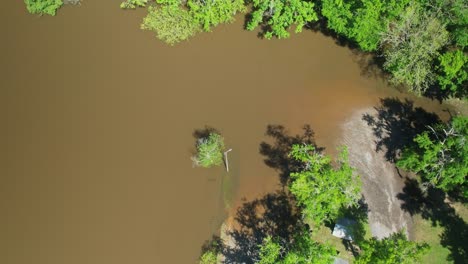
[[362, 20], [440, 156], [453, 71], [270, 251], [302, 251], [280, 15], [132, 4], [209, 257], [210, 151], [321, 189], [210, 13], [171, 23], [410, 45], [48, 7], [395, 249]]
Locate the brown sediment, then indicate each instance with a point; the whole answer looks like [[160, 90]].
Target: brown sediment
[[98, 126]]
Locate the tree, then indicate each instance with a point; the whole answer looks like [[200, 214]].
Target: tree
[[171, 23], [440, 156], [303, 250], [208, 13], [279, 15], [362, 21], [410, 45], [209, 151], [395, 249], [453, 13], [48, 7], [321, 189], [453, 71]]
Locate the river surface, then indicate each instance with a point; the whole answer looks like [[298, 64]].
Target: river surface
[[98, 118]]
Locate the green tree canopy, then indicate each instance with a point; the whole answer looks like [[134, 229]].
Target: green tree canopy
[[321, 189], [363, 21], [48, 7], [410, 45], [395, 249], [303, 251], [208, 13], [453, 72], [279, 15], [440, 155]]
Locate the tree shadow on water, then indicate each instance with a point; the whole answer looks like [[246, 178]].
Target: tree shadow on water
[[277, 153], [433, 205], [396, 124], [204, 132], [274, 214]]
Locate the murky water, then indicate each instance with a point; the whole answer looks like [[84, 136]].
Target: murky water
[[99, 122]]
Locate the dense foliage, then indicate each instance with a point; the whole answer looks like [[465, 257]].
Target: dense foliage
[[48, 7], [209, 151], [321, 189], [440, 156], [395, 249], [303, 251], [362, 20], [279, 15]]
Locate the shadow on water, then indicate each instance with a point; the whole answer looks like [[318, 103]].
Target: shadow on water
[[274, 214], [396, 123], [204, 132], [277, 153], [432, 205]]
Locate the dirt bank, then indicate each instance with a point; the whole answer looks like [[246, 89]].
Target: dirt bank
[[381, 181]]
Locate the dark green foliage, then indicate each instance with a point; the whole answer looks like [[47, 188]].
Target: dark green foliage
[[440, 156], [303, 251], [395, 249], [48, 7], [279, 15], [454, 14], [362, 20], [321, 189]]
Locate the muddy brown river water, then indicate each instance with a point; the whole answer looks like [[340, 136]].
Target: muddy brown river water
[[98, 119]]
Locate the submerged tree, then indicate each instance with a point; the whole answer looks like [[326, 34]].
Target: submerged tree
[[209, 151], [171, 23], [321, 189], [395, 249], [440, 156], [176, 20], [48, 7]]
